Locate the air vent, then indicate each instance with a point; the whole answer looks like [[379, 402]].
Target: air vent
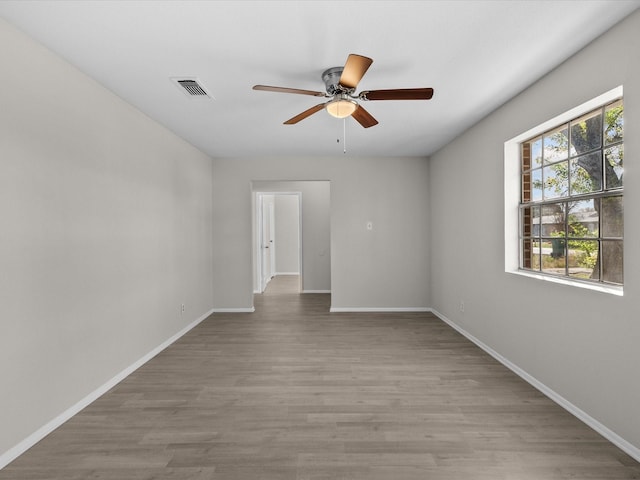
[[192, 87]]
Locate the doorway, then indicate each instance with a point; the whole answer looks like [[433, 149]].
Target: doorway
[[313, 233], [278, 245]]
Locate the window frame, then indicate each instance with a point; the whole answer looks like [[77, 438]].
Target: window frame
[[513, 179]]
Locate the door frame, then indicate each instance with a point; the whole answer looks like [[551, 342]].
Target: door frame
[[259, 229]]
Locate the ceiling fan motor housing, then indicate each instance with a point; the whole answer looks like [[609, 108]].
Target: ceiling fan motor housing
[[331, 79]]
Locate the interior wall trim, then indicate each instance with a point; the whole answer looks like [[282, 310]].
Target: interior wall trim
[[316, 291], [14, 452], [234, 310], [378, 309], [606, 432]]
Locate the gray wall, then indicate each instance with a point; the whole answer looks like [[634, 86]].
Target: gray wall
[[385, 267], [580, 343], [106, 231], [287, 216]]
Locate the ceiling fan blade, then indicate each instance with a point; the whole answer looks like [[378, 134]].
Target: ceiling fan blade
[[354, 69], [363, 117], [267, 88], [398, 94], [305, 114]]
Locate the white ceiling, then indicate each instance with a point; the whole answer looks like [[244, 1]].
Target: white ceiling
[[475, 54]]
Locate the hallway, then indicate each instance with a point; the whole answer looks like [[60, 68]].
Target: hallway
[[283, 285]]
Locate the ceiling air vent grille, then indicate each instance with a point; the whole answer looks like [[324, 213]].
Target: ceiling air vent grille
[[191, 87]]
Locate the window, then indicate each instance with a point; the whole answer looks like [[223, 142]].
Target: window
[[571, 198]]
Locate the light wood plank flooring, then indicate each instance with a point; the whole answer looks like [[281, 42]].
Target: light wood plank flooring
[[293, 392]]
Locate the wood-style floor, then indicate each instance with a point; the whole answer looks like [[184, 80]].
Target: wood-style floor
[[293, 392]]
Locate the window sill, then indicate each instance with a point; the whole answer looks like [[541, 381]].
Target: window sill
[[599, 287]]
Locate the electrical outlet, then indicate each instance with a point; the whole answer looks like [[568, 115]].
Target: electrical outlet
[[182, 308], [462, 306]]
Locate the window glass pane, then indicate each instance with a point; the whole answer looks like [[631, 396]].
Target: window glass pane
[[612, 213], [583, 218], [535, 221], [583, 259], [614, 166], [614, 123], [554, 256], [552, 220], [555, 145], [612, 261], [556, 180], [586, 173], [586, 133], [536, 152], [535, 255], [536, 185]]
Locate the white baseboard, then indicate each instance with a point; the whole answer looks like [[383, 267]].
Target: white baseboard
[[14, 452], [316, 291], [607, 433], [378, 309], [286, 273], [234, 310]]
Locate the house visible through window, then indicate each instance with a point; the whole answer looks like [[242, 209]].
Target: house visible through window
[[571, 207]]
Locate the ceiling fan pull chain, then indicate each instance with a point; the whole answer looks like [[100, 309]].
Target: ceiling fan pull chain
[[344, 135]]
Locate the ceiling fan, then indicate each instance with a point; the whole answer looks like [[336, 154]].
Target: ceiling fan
[[340, 84]]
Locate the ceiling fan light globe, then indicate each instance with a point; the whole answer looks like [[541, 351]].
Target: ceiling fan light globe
[[341, 108]]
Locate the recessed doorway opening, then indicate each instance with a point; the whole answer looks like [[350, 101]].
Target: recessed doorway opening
[[278, 237], [291, 234]]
